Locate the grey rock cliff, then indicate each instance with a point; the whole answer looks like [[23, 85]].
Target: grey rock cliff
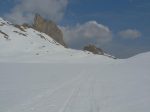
[[48, 27]]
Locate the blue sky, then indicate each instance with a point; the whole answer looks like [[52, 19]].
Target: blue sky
[[118, 15]]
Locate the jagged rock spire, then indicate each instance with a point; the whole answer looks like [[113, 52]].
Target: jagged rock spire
[[48, 27]]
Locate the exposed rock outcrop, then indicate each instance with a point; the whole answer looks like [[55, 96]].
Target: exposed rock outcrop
[[5, 35], [48, 27], [94, 49]]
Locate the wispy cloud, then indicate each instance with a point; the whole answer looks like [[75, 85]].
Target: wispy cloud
[[89, 32], [25, 10], [130, 34]]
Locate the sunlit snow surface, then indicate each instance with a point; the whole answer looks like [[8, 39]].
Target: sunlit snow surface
[[39, 75]]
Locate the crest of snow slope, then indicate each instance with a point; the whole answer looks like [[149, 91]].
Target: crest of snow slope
[[29, 45]]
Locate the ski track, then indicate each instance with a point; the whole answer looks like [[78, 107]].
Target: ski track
[[94, 104], [71, 96], [79, 89], [76, 85], [86, 85]]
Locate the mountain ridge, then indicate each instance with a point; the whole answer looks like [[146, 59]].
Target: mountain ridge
[[24, 44]]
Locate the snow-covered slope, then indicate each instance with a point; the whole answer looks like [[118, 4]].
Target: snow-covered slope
[[22, 44], [66, 80]]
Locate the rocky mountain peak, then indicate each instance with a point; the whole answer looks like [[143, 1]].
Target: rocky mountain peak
[[48, 27], [93, 49]]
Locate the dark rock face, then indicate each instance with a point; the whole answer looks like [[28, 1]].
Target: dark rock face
[[48, 27], [94, 49]]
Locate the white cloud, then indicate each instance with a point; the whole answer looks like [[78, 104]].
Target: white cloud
[[25, 9], [88, 33], [130, 34]]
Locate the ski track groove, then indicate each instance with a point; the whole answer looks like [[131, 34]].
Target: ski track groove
[[31, 103], [94, 105], [87, 80], [84, 82], [75, 91]]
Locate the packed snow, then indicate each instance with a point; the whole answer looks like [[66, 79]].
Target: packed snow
[[39, 75]]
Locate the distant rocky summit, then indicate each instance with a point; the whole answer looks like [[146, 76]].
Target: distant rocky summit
[[93, 49], [48, 27]]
